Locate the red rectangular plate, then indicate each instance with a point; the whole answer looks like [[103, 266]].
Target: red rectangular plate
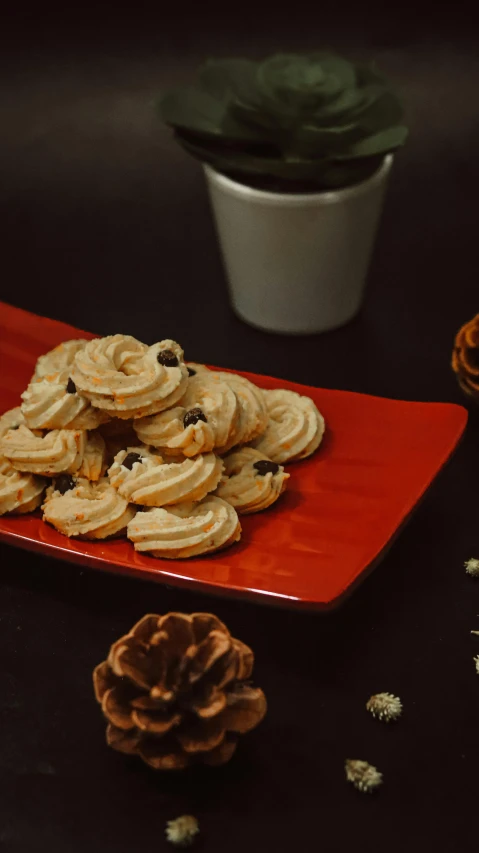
[[340, 511]]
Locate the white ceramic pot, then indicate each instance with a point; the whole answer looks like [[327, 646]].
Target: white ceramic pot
[[297, 263]]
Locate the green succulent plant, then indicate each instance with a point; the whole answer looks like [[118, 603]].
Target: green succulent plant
[[316, 120]]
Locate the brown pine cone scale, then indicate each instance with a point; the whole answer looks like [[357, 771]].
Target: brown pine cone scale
[[174, 691], [465, 357]]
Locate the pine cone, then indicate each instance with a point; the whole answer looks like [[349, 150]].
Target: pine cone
[[174, 691], [465, 357]]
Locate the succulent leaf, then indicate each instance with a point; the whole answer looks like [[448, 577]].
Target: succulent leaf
[[316, 117]]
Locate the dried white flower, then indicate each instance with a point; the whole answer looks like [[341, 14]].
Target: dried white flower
[[385, 706], [364, 776], [472, 567], [476, 661], [182, 831]]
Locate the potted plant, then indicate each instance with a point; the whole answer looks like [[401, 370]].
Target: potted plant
[[296, 150]]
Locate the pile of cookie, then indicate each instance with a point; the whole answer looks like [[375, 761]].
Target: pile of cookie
[[114, 437]]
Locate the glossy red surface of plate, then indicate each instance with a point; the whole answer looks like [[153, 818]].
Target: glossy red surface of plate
[[340, 511]]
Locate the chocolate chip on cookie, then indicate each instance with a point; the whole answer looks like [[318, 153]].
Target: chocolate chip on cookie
[[193, 416], [71, 387], [264, 466], [191, 372], [130, 460], [64, 483], [167, 358]]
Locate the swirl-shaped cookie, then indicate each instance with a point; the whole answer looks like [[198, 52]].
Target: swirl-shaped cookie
[[178, 431], [295, 427], [94, 463], [86, 510], [251, 482], [187, 530], [58, 360], [206, 392], [11, 420], [59, 450], [19, 492], [128, 379], [54, 404], [253, 416], [144, 478]]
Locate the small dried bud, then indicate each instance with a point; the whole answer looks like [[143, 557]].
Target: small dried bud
[[385, 706], [363, 776], [182, 831], [472, 567]]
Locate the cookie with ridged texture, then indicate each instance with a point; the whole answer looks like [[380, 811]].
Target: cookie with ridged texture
[[53, 403], [78, 508], [59, 359], [144, 478], [94, 462], [57, 451], [128, 379], [253, 415], [250, 481], [178, 431], [295, 427], [207, 392], [188, 530], [19, 492], [11, 420]]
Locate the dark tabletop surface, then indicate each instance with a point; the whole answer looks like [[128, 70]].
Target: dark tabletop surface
[[105, 224]]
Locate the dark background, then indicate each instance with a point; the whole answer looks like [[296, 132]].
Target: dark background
[[105, 224]]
